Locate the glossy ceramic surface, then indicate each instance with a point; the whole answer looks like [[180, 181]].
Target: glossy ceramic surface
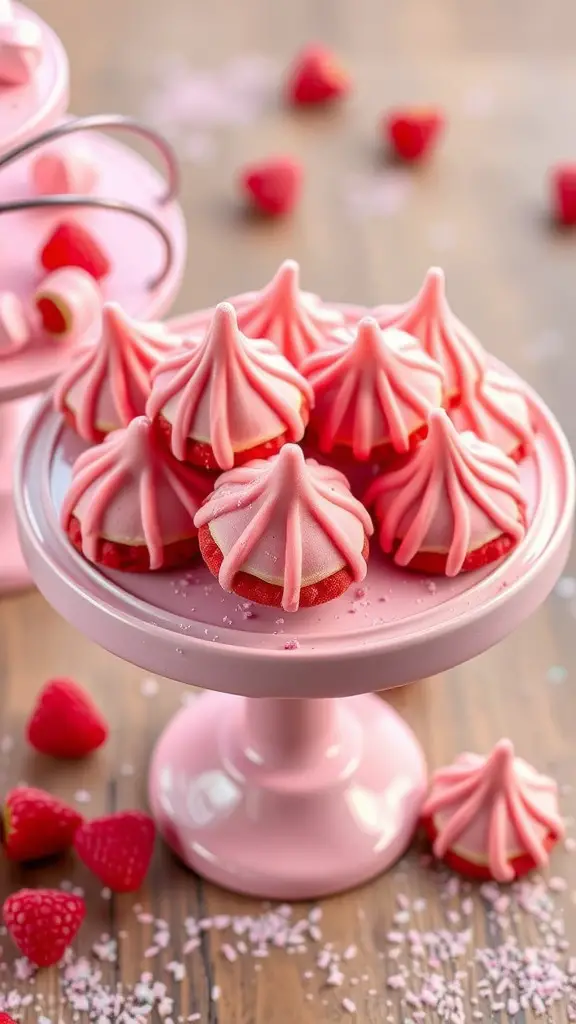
[[395, 628], [28, 109], [14, 573], [287, 799]]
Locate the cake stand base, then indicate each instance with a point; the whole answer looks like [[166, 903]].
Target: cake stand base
[[287, 799]]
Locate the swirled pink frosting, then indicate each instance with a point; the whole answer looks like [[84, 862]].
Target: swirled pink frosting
[[288, 521], [108, 383], [443, 336], [492, 810], [130, 490], [497, 410], [453, 495], [229, 392], [297, 322], [376, 390]]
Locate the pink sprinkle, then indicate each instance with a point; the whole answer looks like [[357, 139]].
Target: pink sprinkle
[[292, 645], [349, 953], [557, 884], [215, 993], [513, 1007], [395, 937], [570, 844], [190, 946], [349, 1006], [396, 981], [229, 952]]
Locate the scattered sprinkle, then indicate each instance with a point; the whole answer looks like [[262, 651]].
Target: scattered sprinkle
[[82, 796], [149, 686]]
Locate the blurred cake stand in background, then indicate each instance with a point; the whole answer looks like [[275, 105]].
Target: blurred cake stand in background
[[128, 207]]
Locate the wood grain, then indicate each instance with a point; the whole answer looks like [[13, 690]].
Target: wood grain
[[505, 75]]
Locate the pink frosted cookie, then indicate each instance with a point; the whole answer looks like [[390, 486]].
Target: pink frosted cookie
[[223, 399], [69, 302], [20, 48], [131, 505], [443, 336], [108, 383], [297, 322], [454, 505], [373, 395], [15, 329], [497, 410], [492, 817], [286, 532], [66, 169]]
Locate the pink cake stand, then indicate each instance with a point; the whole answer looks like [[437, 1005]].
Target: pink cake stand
[[147, 248], [28, 109], [269, 785]]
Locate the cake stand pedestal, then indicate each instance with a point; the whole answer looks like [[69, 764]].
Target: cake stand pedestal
[[270, 786]]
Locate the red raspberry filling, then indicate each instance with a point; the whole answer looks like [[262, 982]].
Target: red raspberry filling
[[134, 558], [261, 592], [385, 455], [434, 562]]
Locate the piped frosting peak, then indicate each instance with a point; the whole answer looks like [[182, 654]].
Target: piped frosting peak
[[377, 389], [288, 521], [494, 810], [443, 336], [498, 411], [229, 392], [108, 384], [129, 490], [453, 495], [297, 322]]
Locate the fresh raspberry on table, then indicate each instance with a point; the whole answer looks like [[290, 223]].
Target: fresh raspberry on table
[[43, 923], [36, 824], [117, 848], [316, 77], [273, 186], [65, 722]]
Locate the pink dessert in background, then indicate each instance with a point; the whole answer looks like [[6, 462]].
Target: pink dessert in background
[[298, 322], [497, 410], [443, 336], [67, 169], [454, 505], [108, 383], [69, 302], [285, 532], [131, 505], [373, 395], [15, 328], [224, 399], [20, 47], [492, 817]]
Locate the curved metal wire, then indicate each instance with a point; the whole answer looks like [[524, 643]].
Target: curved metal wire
[[94, 122], [93, 202]]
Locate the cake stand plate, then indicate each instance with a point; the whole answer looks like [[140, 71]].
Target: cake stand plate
[[135, 251], [14, 573], [26, 110], [260, 787]]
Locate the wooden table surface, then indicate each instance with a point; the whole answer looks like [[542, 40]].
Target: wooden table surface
[[505, 75]]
